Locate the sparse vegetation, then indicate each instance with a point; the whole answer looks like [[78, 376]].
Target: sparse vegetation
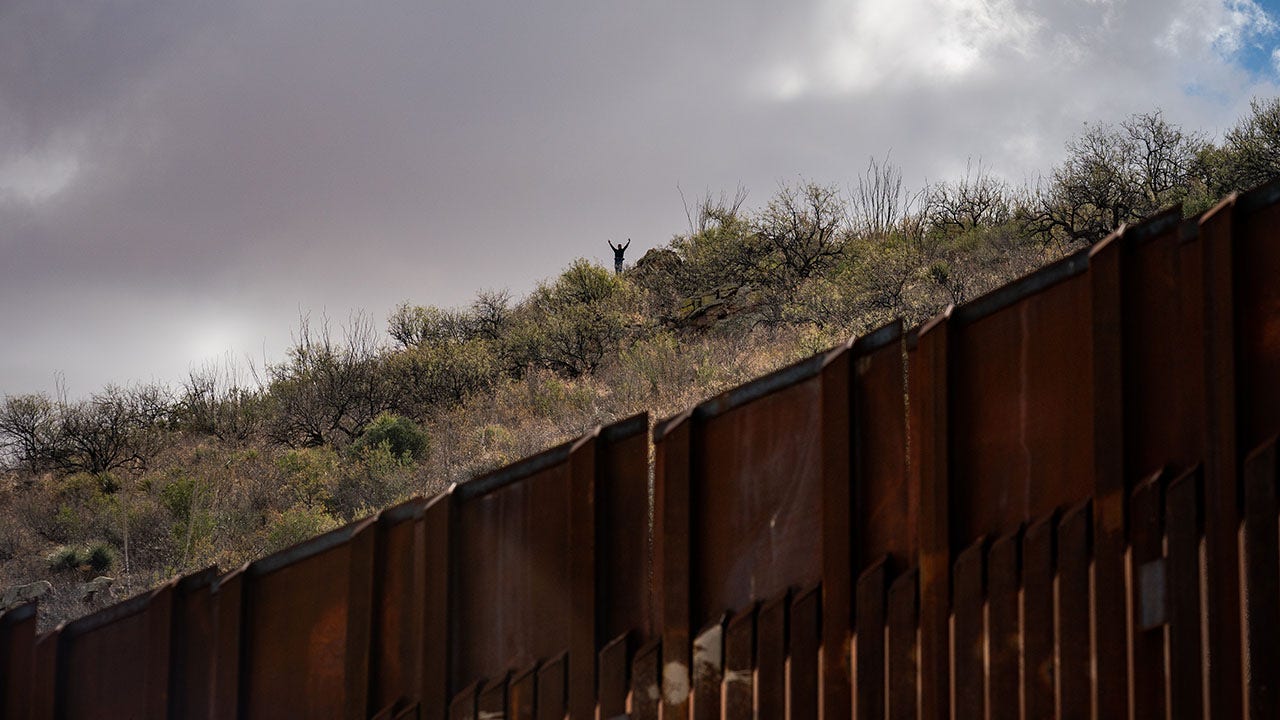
[[148, 481]]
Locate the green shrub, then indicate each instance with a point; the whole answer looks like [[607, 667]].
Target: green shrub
[[373, 478], [65, 557], [296, 524], [100, 557], [308, 474], [404, 438]]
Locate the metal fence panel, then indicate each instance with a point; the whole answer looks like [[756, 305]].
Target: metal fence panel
[[17, 659], [646, 684], [623, 531], [305, 628], [739, 662], [803, 643], [904, 663], [1262, 582], [756, 492], [395, 665], [969, 638], [883, 500], [1039, 639], [1147, 597], [1021, 406], [1004, 631], [869, 683], [115, 663], [1186, 655], [191, 649], [771, 657], [510, 574], [612, 671], [708, 670], [1075, 674]]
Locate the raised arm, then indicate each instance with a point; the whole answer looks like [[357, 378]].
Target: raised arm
[[624, 247], [611, 247]]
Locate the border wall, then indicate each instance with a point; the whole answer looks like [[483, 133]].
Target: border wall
[[1058, 500]]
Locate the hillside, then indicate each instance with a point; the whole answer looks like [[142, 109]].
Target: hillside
[[140, 483]]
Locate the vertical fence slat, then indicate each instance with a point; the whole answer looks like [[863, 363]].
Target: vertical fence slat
[[837, 552], [739, 660], [463, 706], [552, 699], [522, 694], [646, 681], [395, 661], [1109, 479], [671, 559], [1262, 583], [928, 397], [904, 694], [708, 670], [1003, 630], [804, 642], [1075, 659], [968, 638], [1182, 522], [1147, 600], [612, 670], [17, 660], [437, 519], [193, 642], [359, 609], [1221, 477], [582, 579], [159, 658], [1038, 637], [771, 657], [45, 701], [228, 606], [873, 589], [492, 703]]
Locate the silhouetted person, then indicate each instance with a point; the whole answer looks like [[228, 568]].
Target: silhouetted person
[[617, 254]]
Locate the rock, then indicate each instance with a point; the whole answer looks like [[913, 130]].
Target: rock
[[96, 589], [20, 594]]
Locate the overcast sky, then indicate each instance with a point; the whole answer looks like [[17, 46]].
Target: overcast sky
[[180, 178]]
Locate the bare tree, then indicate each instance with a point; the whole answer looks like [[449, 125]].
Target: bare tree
[[1250, 153], [117, 428], [709, 211], [28, 430], [1112, 176], [329, 389], [977, 199], [1163, 155], [798, 234], [491, 313], [879, 203], [220, 400]]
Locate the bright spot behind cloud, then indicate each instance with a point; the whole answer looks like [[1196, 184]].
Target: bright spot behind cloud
[[33, 179], [859, 47]]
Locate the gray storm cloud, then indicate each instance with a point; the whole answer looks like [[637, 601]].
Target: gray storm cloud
[[180, 178]]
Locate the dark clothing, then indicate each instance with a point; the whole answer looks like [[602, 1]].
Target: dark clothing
[[618, 250]]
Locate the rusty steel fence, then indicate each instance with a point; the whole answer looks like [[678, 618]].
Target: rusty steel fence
[[1058, 500]]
